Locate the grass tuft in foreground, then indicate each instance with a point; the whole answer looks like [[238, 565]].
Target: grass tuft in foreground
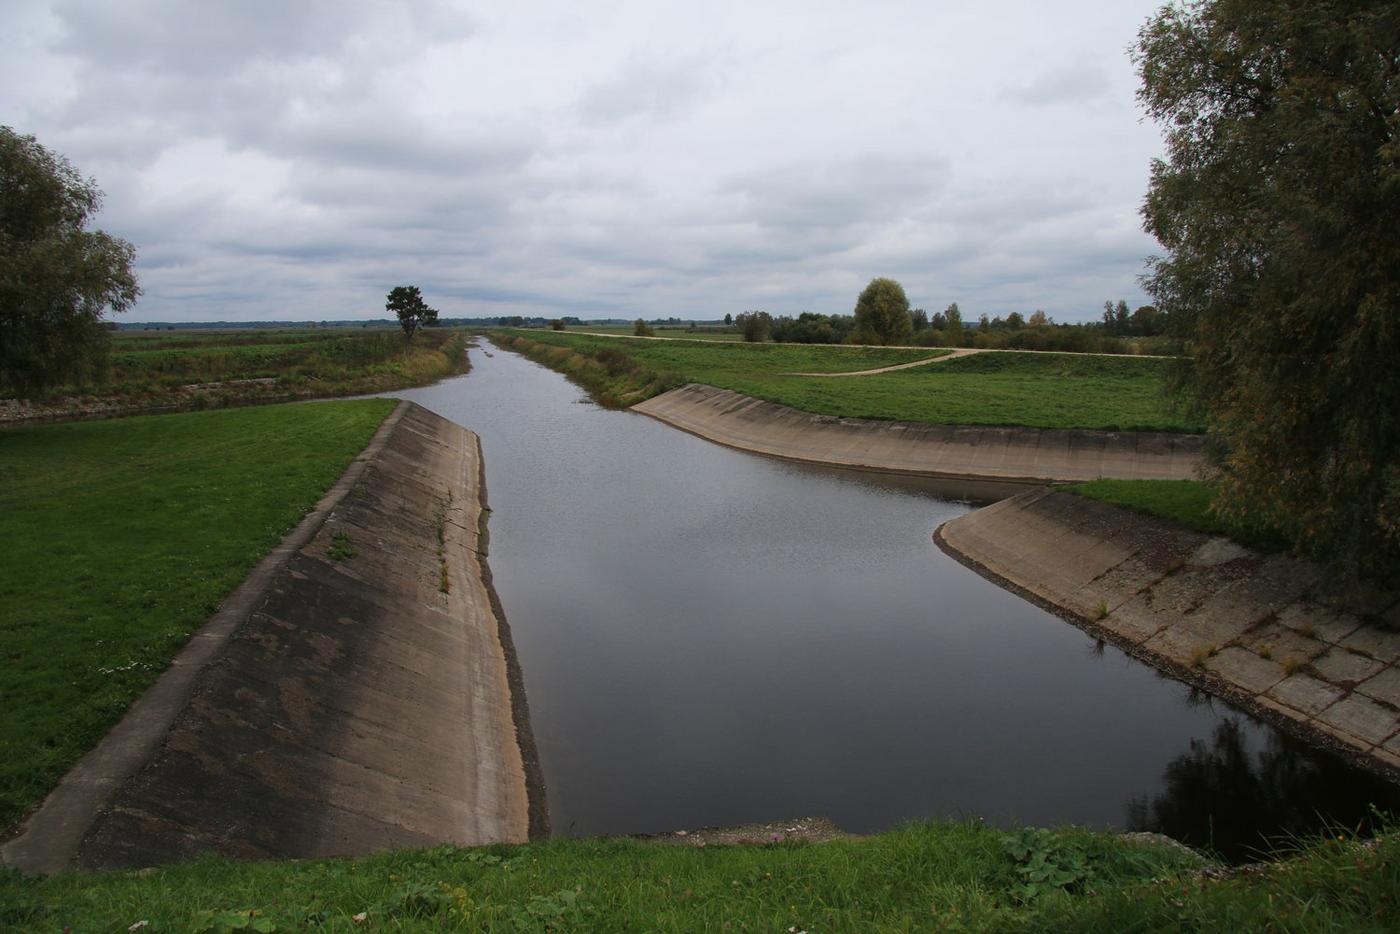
[[937, 876], [119, 538]]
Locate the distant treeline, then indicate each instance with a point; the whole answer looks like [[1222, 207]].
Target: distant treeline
[[1120, 331]]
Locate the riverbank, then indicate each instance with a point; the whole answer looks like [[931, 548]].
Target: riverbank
[[949, 876], [1254, 629], [962, 452], [322, 710], [162, 372]]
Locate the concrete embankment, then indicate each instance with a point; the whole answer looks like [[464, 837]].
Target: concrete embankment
[[961, 451], [1251, 628], [355, 694]]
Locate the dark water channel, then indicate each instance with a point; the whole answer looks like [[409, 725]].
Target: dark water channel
[[710, 637]]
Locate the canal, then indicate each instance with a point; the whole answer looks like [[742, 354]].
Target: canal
[[711, 638]]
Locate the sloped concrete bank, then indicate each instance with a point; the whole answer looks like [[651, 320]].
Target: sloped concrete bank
[[356, 694], [955, 451], [1251, 628]]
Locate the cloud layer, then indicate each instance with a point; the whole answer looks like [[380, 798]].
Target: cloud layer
[[275, 160]]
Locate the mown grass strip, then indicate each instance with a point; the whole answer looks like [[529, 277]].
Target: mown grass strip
[[940, 876], [119, 539], [1006, 389], [1185, 502]]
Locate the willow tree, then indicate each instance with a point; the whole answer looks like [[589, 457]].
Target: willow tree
[[1278, 204], [57, 278]]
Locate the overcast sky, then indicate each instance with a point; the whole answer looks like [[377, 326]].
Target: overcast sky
[[275, 159]]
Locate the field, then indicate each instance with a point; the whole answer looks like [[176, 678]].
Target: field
[[120, 538], [660, 330], [204, 368], [941, 876], [1036, 390]]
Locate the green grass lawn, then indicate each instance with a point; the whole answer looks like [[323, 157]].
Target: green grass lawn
[[1185, 502], [119, 538], [1036, 390], [942, 876]]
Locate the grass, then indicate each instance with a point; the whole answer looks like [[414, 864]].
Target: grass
[[121, 537], [939, 876], [1185, 502], [1035, 390], [206, 368]]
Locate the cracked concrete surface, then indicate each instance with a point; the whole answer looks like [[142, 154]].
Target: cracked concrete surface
[[1252, 628]]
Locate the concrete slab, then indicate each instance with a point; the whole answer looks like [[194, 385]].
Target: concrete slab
[[1363, 718], [1378, 643], [1279, 642], [1305, 693], [1243, 668], [1383, 686], [1342, 666]]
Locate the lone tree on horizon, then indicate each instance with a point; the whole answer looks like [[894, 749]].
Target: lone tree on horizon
[[882, 313], [57, 279], [407, 302]]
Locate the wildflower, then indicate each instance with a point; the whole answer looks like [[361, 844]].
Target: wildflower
[[139, 925], [360, 918]]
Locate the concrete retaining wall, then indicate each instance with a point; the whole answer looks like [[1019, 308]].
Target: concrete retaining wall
[[1251, 628], [1034, 454], [360, 699]]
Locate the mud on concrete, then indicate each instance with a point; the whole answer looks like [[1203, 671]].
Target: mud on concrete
[[1254, 629], [355, 695], [956, 451]]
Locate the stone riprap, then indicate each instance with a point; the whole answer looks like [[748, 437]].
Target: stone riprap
[[360, 700], [1251, 628], [958, 451]]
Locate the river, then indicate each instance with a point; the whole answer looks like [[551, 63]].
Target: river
[[710, 638]]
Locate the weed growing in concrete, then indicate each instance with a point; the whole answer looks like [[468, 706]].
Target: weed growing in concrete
[[1266, 651], [1292, 664], [1203, 652], [340, 548], [1306, 629], [1100, 609]]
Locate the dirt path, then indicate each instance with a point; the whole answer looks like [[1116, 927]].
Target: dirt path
[[957, 352]]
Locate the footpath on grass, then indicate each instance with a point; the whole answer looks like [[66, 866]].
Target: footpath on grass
[[954, 451], [1254, 629], [357, 693]]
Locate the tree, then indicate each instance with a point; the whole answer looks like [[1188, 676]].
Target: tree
[[57, 279], [955, 325], [1277, 207], [755, 325], [728, 319], [641, 329], [1038, 319], [407, 302], [882, 313], [1015, 321], [556, 324], [919, 319]]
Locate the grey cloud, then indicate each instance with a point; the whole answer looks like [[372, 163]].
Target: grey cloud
[[645, 89], [1073, 83], [841, 194]]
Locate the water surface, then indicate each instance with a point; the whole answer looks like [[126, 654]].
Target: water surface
[[710, 637]]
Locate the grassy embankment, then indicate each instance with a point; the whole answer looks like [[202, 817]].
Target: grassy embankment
[[1185, 502], [621, 372], [201, 369], [119, 539], [1036, 390], [950, 877]]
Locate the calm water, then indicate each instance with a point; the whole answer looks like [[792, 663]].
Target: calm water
[[710, 637]]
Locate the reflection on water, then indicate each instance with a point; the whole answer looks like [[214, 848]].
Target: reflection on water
[[709, 637], [1240, 802]]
